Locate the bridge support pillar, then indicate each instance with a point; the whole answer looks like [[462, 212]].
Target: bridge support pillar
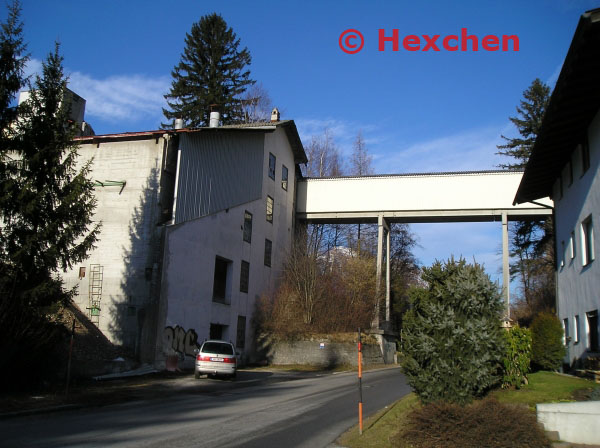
[[383, 237], [505, 265]]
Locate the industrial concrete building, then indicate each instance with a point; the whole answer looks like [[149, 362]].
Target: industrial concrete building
[[195, 227], [565, 164]]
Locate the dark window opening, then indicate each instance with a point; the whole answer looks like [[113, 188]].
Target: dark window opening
[[217, 331], [284, 177], [244, 276], [247, 226], [570, 173], [592, 318], [272, 166], [81, 272], [240, 341], [585, 156], [222, 267], [587, 240], [268, 249], [269, 209]]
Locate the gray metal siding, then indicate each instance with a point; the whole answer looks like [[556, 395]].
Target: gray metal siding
[[218, 170]]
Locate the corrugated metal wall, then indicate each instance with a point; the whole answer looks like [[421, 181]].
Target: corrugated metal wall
[[218, 170]]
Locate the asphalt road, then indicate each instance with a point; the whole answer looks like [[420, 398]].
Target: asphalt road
[[305, 412]]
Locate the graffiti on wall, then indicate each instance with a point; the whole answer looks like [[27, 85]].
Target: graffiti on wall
[[181, 341]]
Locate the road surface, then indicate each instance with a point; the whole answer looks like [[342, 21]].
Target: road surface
[[306, 412]]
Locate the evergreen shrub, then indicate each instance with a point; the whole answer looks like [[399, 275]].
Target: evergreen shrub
[[517, 357], [453, 342], [547, 344]]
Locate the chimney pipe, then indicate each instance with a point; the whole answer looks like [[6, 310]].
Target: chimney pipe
[[214, 119], [275, 114], [178, 123]]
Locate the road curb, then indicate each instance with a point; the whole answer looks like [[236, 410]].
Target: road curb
[[48, 410]]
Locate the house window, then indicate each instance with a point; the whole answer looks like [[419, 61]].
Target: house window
[[560, 187], [587, 241], [572, 244], [247, 226], [271, 166], [240, 341], [576, 330], [592, 323], [284, 177], [566, 338], [585, 156], [221, 279], [269, 209], [268, 249], [244, 276], [81, 272]]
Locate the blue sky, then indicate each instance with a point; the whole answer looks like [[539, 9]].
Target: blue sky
[[418, 111]]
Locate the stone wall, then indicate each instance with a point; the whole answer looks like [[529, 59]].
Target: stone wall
[[320, 352]]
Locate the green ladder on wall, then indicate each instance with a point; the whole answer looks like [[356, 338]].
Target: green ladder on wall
[[95, 292]]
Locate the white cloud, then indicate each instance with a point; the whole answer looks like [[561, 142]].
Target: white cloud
[[129, 98], [469, 150], [126, 97]]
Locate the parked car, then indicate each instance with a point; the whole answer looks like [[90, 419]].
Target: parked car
[[216, 358]]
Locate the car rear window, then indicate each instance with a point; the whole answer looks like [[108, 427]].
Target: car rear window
[[217, 348]]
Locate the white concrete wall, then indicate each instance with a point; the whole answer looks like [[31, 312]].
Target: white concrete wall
[[129, 241], [578, 285], [575, 422], [191, 247]]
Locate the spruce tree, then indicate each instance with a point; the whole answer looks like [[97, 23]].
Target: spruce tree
[[531, 241], [12, 63], [212, 71], [48, 203], [528, 121], [452, 336]]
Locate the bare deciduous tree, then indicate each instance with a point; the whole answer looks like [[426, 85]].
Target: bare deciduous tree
[[256, 104]]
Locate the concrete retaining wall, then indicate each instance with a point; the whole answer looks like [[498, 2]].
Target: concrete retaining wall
[[321, 353], [575, 422]]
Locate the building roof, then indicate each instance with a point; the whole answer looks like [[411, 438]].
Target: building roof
[[287, 125], [573, 105], [428, 174]]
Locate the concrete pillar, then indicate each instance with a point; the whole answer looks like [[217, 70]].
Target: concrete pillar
[[380, 230], [383, 234], [505, 265], [387, 277]]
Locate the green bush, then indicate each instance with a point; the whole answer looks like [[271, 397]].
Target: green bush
[[517, 357], [484, 423], [547, 345], [452, 337]]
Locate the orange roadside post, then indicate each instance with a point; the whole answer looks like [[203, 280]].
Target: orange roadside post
[[360, 413]]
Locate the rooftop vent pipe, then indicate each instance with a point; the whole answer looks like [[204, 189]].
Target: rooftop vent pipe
[[179, 123], [214, 119]]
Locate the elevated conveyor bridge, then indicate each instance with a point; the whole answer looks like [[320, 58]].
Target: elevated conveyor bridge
[[418, 198]]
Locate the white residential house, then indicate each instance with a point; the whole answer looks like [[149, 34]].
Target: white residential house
[[565, 164]]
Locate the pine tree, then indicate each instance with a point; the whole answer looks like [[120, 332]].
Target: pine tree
[[452, 336], [528, 122], [212, 71], [48, 204]]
